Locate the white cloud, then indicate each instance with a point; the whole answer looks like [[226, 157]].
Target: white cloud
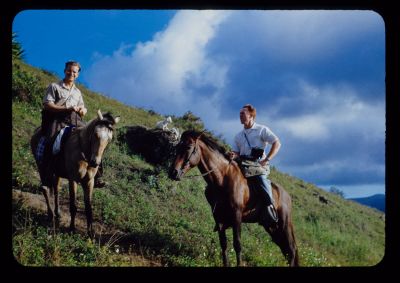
[[340, 110], [306, 35], [155, 73], [308, 127]]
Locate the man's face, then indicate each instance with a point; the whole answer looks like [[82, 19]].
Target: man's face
[[71, 73], [245, 116]]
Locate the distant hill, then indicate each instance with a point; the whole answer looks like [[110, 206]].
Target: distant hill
[[376, 201]]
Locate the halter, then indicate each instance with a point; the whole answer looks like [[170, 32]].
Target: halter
[[81, 147], [187, 161]]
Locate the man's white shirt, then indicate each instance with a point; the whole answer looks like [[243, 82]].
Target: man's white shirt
[[258, 136]]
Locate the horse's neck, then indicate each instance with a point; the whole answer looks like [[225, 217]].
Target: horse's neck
[[83, 135], [214, 164]]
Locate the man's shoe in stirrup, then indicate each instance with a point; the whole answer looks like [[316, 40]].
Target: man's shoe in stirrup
[[99, 183]]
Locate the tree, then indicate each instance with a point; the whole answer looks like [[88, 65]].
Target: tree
[[336, 191], [17, 51]]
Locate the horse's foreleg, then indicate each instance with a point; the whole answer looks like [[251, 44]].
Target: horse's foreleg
[[56, 186], [72, 204], [293, 257], [236, 237], [224, 245], [87, 192], [45, 192]]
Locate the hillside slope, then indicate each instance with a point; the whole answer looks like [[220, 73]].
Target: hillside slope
[[165, 221]]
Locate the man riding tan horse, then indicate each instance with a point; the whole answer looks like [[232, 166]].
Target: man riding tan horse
[[78, 161], [63, 106]]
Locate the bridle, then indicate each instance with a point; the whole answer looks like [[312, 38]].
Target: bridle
[[108, 125], [186, 163]]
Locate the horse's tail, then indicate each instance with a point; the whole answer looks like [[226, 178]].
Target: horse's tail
[[294, 245], [35, 140], [285, 205], [291, 236]]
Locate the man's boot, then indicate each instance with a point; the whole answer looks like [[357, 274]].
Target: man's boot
[[98, 180]]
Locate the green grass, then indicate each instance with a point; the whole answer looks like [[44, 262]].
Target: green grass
[[171, 221]]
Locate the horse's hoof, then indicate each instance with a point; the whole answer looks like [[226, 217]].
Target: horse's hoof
[[216, 227], [72, 229], [91, 234], [50, 215], [57, 222]]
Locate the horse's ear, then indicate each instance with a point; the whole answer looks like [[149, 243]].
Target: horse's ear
[[99, 114], [116, 119], [198, 137]]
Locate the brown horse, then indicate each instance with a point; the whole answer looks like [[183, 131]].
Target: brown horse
[[232, 201], [78, 162]]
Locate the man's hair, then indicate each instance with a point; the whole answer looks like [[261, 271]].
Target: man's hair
[[72, 63], [251, 109]]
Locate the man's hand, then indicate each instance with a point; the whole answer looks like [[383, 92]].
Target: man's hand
[[232, 155], [264, 161], [82, 111], [74, 108]]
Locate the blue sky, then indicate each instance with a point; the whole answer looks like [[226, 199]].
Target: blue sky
[[317, 78]]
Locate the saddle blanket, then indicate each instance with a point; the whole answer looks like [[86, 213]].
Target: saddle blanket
[[40, 149], [60, 138]]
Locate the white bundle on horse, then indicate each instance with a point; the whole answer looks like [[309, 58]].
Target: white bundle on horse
[[175, 133], [164, 124]]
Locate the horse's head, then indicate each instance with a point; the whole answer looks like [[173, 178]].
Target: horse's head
[[102, 134], [187, 155]]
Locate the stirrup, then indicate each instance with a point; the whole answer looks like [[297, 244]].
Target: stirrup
[[272, 213], [99, 183]]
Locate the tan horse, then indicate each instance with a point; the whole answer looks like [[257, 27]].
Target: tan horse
[[232, 201], [78, 162]]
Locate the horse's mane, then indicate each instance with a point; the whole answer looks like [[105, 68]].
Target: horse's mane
[[208, 139], [108, 120]]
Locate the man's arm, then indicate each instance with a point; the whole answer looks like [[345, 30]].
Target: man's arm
[[52, 107], [276, 145], [82, 110]]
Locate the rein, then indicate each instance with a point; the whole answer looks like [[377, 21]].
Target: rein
[[90, 144], [200, 175], [81, 147], [188, 160]]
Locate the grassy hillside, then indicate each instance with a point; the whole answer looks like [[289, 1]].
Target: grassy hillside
[[166, 221]]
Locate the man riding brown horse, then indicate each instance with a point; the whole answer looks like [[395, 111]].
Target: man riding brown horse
[[248, 150], [232, 200]]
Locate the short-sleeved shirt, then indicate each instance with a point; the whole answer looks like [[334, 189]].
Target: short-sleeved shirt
[[258, 136], [58, 91]]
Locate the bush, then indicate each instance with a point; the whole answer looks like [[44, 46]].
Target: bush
[[26, 87]]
